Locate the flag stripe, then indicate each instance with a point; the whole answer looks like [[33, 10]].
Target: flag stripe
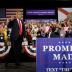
[[11, 12], [64, 11]]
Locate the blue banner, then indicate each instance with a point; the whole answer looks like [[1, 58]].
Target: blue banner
[[41, 12], [54, 54]]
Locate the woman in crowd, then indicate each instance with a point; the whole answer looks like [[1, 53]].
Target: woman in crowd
[[29, 36], [3, 30]]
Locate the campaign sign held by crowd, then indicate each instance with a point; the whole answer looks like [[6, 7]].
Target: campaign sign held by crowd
[[54, 54]]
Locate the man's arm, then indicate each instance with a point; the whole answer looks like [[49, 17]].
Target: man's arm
[[10, 24]]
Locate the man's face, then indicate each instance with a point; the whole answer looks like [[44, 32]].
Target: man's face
[[18, 15]]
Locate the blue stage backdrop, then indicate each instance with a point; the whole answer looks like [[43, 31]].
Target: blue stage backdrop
[[54, 54]]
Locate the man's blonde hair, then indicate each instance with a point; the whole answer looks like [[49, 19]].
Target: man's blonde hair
[[18, 13]]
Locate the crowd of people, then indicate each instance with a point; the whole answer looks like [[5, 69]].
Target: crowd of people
[[52, 29]]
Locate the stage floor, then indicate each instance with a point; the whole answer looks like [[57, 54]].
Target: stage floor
[[25, 67]]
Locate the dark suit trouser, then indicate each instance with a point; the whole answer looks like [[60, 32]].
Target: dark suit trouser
[[15, 51]]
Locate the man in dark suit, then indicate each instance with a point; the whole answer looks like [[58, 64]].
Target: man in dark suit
[[16, 37], [69, 33], [54, 33]]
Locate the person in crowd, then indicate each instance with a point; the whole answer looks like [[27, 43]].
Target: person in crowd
[[55, 31], [16, 37], [62, 31], [29, 36], [69, 33], [49, 33], [42, 33], [34, 34], [3, 30], [39, 33]]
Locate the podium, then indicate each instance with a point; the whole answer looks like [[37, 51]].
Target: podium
[[54, 55]]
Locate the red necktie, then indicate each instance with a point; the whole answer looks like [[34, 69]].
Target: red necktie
[[20, 27]]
